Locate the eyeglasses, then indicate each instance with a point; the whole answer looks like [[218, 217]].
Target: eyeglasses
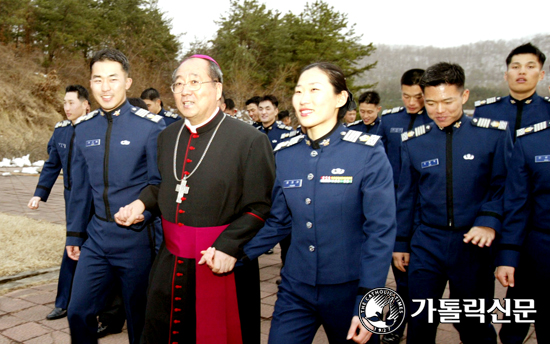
[[193, 85]]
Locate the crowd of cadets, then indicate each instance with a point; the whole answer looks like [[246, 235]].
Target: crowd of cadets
[[459, 216]]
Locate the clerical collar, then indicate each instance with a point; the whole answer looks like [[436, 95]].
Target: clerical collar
[[324, 140], [193, 128], [527, 100]]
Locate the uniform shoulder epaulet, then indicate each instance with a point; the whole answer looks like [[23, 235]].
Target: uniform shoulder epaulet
[[170, 114], [281, 125], [533, 128], [290, 134], [146, 114], [86, 117], [416, 132], [487, 101], [360, 137], [288, 143], [489, 123], [394, 110], [354, 123], [62, 123]]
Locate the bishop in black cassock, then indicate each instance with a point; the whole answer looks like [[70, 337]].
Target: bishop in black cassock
[[219, 179]]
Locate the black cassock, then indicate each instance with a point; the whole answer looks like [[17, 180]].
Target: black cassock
[[231, 186]]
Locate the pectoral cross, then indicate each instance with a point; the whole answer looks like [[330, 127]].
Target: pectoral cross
[[182, 190]]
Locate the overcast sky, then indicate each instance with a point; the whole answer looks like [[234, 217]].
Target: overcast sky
[[438, 23]]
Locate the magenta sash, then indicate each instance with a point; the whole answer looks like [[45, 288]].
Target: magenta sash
[[217, 310]]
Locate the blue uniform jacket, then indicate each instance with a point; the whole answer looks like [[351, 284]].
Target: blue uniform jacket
[[518, 113], [169, 117], [278, 132], [395, 122], [60, 150], [339, 205], [527, 193], [115, 158], [457, 174], [362, 127]]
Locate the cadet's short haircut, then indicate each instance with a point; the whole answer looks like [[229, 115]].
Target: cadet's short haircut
[[337, 79], [272, 99], [370, 97], [80, 90], [150, 94], [254, 100], [229, 104], [138, 102], [111, 55], [443, 73], [283, 114], [412, 77], [526, 48]]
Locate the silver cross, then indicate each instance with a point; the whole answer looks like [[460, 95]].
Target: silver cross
[[182, 190]]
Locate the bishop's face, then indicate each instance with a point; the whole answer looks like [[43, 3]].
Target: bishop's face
[[198, 105]]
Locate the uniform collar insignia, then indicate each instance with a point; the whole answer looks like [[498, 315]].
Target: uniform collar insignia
[[325, 142], [116, 113]]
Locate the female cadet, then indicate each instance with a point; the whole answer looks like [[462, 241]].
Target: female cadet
[[338, 203]]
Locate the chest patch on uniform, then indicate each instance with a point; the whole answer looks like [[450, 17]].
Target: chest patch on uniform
[[292, 183], [92, 143], [396, 130], [542, 158], [430, 163], [337, 171], [468, 157], [62, 145], [125, 142], [336, 180]]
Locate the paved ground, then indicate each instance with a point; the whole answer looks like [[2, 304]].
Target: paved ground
[[23, 311]]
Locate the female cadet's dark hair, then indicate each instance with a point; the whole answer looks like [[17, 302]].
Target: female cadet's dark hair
[[412, 77], [526, 48], [111, 55], [443, 73], [80, 90], [338, 81]]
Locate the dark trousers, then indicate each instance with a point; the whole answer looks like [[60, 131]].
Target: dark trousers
[[402, 288], [66, 274], [95, 276], [438, 256], [301, 308]]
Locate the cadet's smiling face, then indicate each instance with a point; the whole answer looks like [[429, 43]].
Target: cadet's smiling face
[[268, 112], [369, 112], [197, 106], [315, 102], [253, 112], [412, 98], [109, 84], [444, 103], [523, 75]]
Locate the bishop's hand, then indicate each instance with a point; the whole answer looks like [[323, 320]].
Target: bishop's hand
[[218, 261], [130, 214]]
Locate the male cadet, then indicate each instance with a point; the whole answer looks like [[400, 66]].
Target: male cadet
[[151, 97], [523, 107], [284, 117], [275, 130], [525, 241], [60, 149], [230, 108], [368, 110], [455, 169], [115, 158], [350, 117], [252, 109], [395, 122]]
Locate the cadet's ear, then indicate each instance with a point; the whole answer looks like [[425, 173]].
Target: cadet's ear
[[128, 83], [342, 99], [465, 96]]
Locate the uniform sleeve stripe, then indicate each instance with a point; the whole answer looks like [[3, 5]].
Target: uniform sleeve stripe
[[490, 213], [43, 188], [403, 239], [510, 247], [82, 235]]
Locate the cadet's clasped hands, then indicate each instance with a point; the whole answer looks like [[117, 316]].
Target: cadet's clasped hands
[[218, 261]]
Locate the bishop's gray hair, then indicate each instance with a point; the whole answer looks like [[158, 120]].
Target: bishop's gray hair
[[214, 71]]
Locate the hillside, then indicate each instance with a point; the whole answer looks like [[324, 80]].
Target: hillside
[[483, 62]]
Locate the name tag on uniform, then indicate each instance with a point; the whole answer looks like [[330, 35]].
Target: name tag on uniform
[[542, 158], [62, 145], [293, 183], [91, 143], [336, 180], [396, 130], [430, 163]]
